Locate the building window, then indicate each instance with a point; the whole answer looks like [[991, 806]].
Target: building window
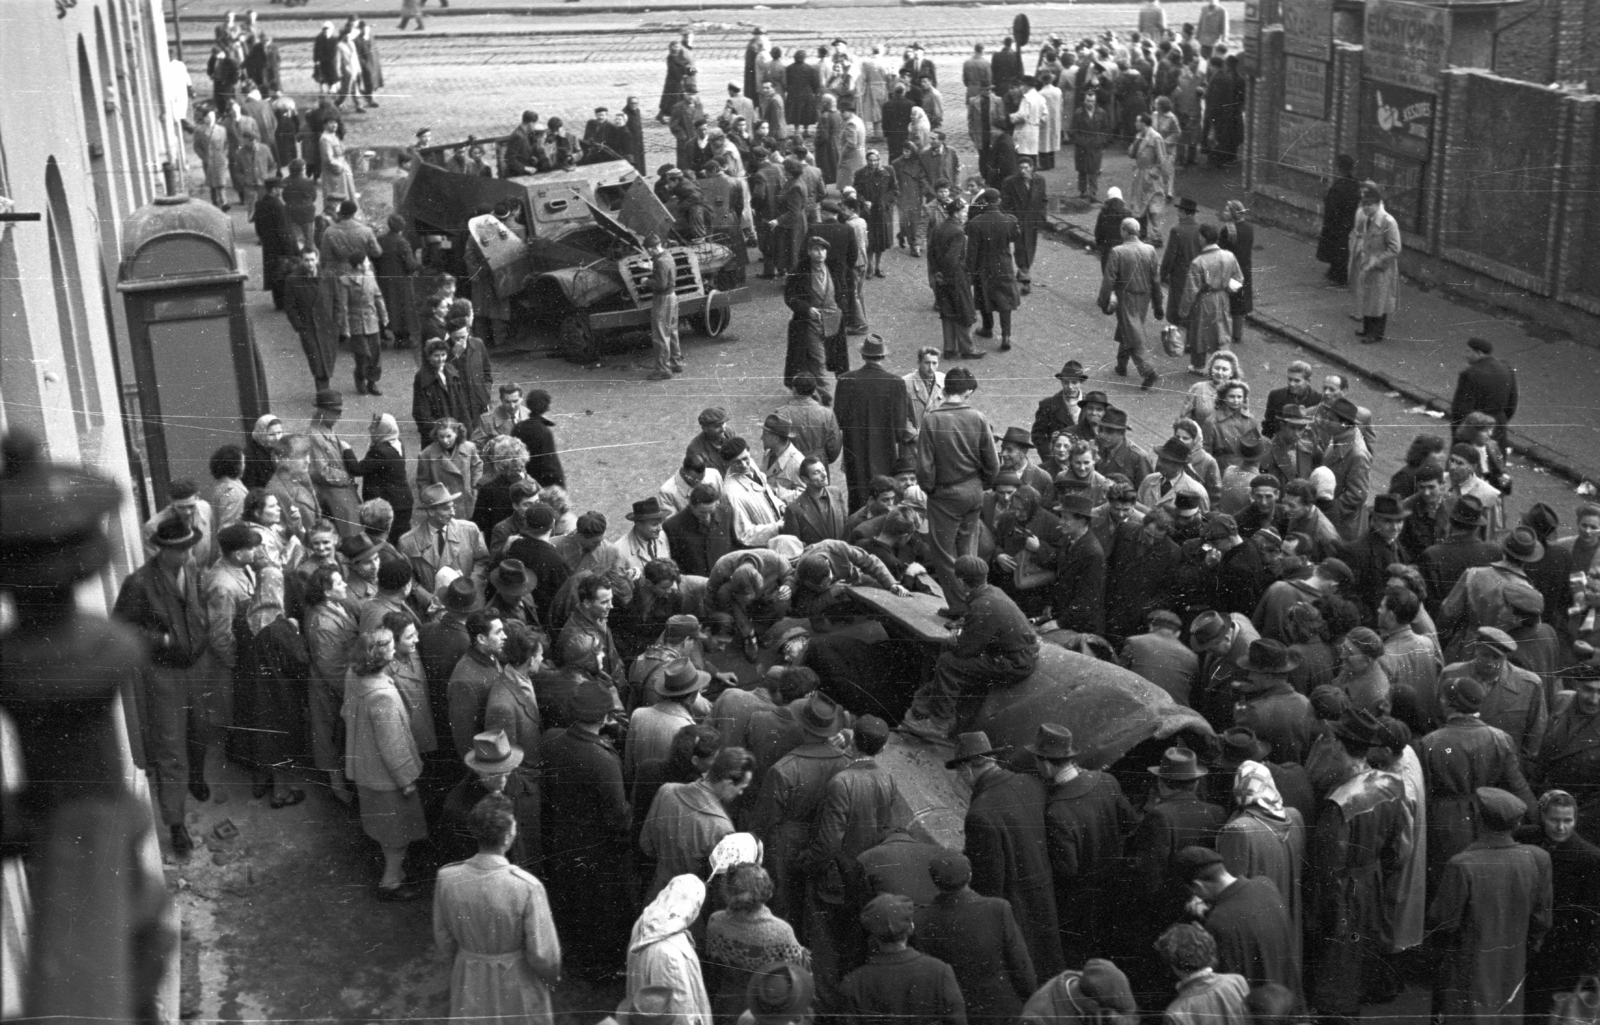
[[72, 319]]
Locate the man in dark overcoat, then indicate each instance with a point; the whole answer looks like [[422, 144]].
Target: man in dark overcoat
[[1130, 290], [1269, 706], [1177, 818], [816, 316], [952, 285], [1007, 846], [1059, 412], [1462, 549], [844, 255], [979, 939], [898, 983], [1248, 918], [991, 234], [585, 819], [1487, 385], [1086, 818], [1569, 759], [309, 304], [1023, 196], [873, 410], [275, 232]]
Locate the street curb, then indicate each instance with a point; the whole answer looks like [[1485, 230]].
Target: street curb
[[578, 9], [1536, 451]]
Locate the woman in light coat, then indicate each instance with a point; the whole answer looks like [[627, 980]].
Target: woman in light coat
[[338, 183], [330, 630], [454, 462], [1147, 194], [1374, 264], [852, 144], [874, 89], [1213, 275], [661, 954], [211, 146], [382, 759]]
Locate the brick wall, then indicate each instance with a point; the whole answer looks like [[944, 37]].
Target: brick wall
[[1527, 48], [1578, 52]]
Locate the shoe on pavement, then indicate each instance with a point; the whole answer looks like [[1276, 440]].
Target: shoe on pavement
[[983, 332], [182, 842], [933, 730], [1368, 339], [974, 354], [372, 388], [659, 375], [1005, 344], [1122, 371], [198, 788], [1149, 381], [1354, 317], [676, 368]]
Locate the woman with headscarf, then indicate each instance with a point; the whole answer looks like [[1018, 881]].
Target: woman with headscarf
[[382, 760], [1571, 949], [396, 267], [383, 472], [1264, 838], [743, 938], [661, 952], [270, 689]]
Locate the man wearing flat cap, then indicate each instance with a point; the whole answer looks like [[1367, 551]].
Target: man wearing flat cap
[[1513, 697], [1363, 836], [1461, 755], [979, 939], [898, 982], [1492, 907], [1100, 993], [1488, 384]]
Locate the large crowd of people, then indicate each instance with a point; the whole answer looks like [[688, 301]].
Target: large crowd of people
[[580, 725]]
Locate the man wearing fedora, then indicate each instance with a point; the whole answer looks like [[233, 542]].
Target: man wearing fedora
[[1481, 596], [1078, 597], [1172, 479], [1176, 817], [1014, 448], [1363, 834], [496, 767], [644, 543], [1293, 454], [816, 307], [1280, 716], [585, 820], [1086, 818], [180, 708], [333, 463], [992, 236], [1006, 843], [1221, 640], [1463, 548], [792, 790], [510, 593], [1061, 411], [874, 415], [439, 539], [781, 459], [1183, 245], [1514, 698], [956, 457], [1348, 456], [652, 725], [1117, 453], [1370, 557]]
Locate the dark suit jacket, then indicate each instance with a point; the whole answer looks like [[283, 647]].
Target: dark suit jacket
[[544, 465], [151, 604], [1487, 386], [1052, 415], [695, 548], [585, 806], [1080, 588], [383, 475], [541, 559], [1005, 67], [979, 939], [812, 521], [1444, 563], [1277, 399], [873, 410], [1006, 843]]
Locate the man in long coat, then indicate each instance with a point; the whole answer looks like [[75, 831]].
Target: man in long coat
[[1130, 290], [1487, 385], [1213, 274], [1569, 759], [1374, 264], [979, 939], [874, 416], [844, 257], [812, 294], [1183, 245], [1493, 905], [991, 234], [585, 820], [952, 285], [1091, 133], [1023, 196], [308, 303], [1007, 846]]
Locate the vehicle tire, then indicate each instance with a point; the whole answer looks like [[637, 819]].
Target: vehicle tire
[[713, 320], [578, 342]]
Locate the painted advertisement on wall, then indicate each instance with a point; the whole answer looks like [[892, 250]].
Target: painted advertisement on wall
[[1405, 44]]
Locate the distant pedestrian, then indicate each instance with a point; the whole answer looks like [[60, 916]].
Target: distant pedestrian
[[1374, 264], [1091, 132], [663, 310], [1130, 289], [1487, 385], [1339, 206], [1239, 238]]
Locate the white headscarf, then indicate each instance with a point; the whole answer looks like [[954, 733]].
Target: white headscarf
[[1253, 787], [673, 911]]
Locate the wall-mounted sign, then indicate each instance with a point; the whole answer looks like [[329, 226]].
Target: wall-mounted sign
[[1305, 86], [1397, 120], [1305, 144], [1308, 28], [1405, 44]]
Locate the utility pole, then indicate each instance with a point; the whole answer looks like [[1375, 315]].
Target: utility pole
[[177, 30]]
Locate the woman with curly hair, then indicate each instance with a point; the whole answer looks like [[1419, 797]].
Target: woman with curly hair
[[453, 461], [1307, 636], [1200, 401], [382, 759], [1231, 424], [280, 546], [555, 496], [743, 938], [505, 461]]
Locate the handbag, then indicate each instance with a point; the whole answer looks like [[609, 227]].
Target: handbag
[[1172, 340], [1029, 575], [1581, 1006]]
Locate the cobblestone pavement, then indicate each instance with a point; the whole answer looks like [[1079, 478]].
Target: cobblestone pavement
[[290, 930]]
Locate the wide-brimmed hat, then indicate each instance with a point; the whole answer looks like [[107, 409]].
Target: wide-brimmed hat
[[1467, 511], [1239, 745], [1293, 413], [1188, 205], [778, 424], [1523, 545], [1095, 398], [780, 992], [1077, 505], [462, 596], [1207, 627], [1053, 743], [493, 754], [821, 716], [172, 532], [357, 547], [1071, 370], [873, 347], [1343, 410], [1017, 436], [680, 677], [973, 745], [1178, 763], [1390, 507], [52, 519], [647, 509], [1115, 418], [1174, 450], [435, 495], [328, 398], [511, 579], [1269, 656]]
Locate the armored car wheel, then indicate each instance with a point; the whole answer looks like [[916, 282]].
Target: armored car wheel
[[578, 342], [713, 320]]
